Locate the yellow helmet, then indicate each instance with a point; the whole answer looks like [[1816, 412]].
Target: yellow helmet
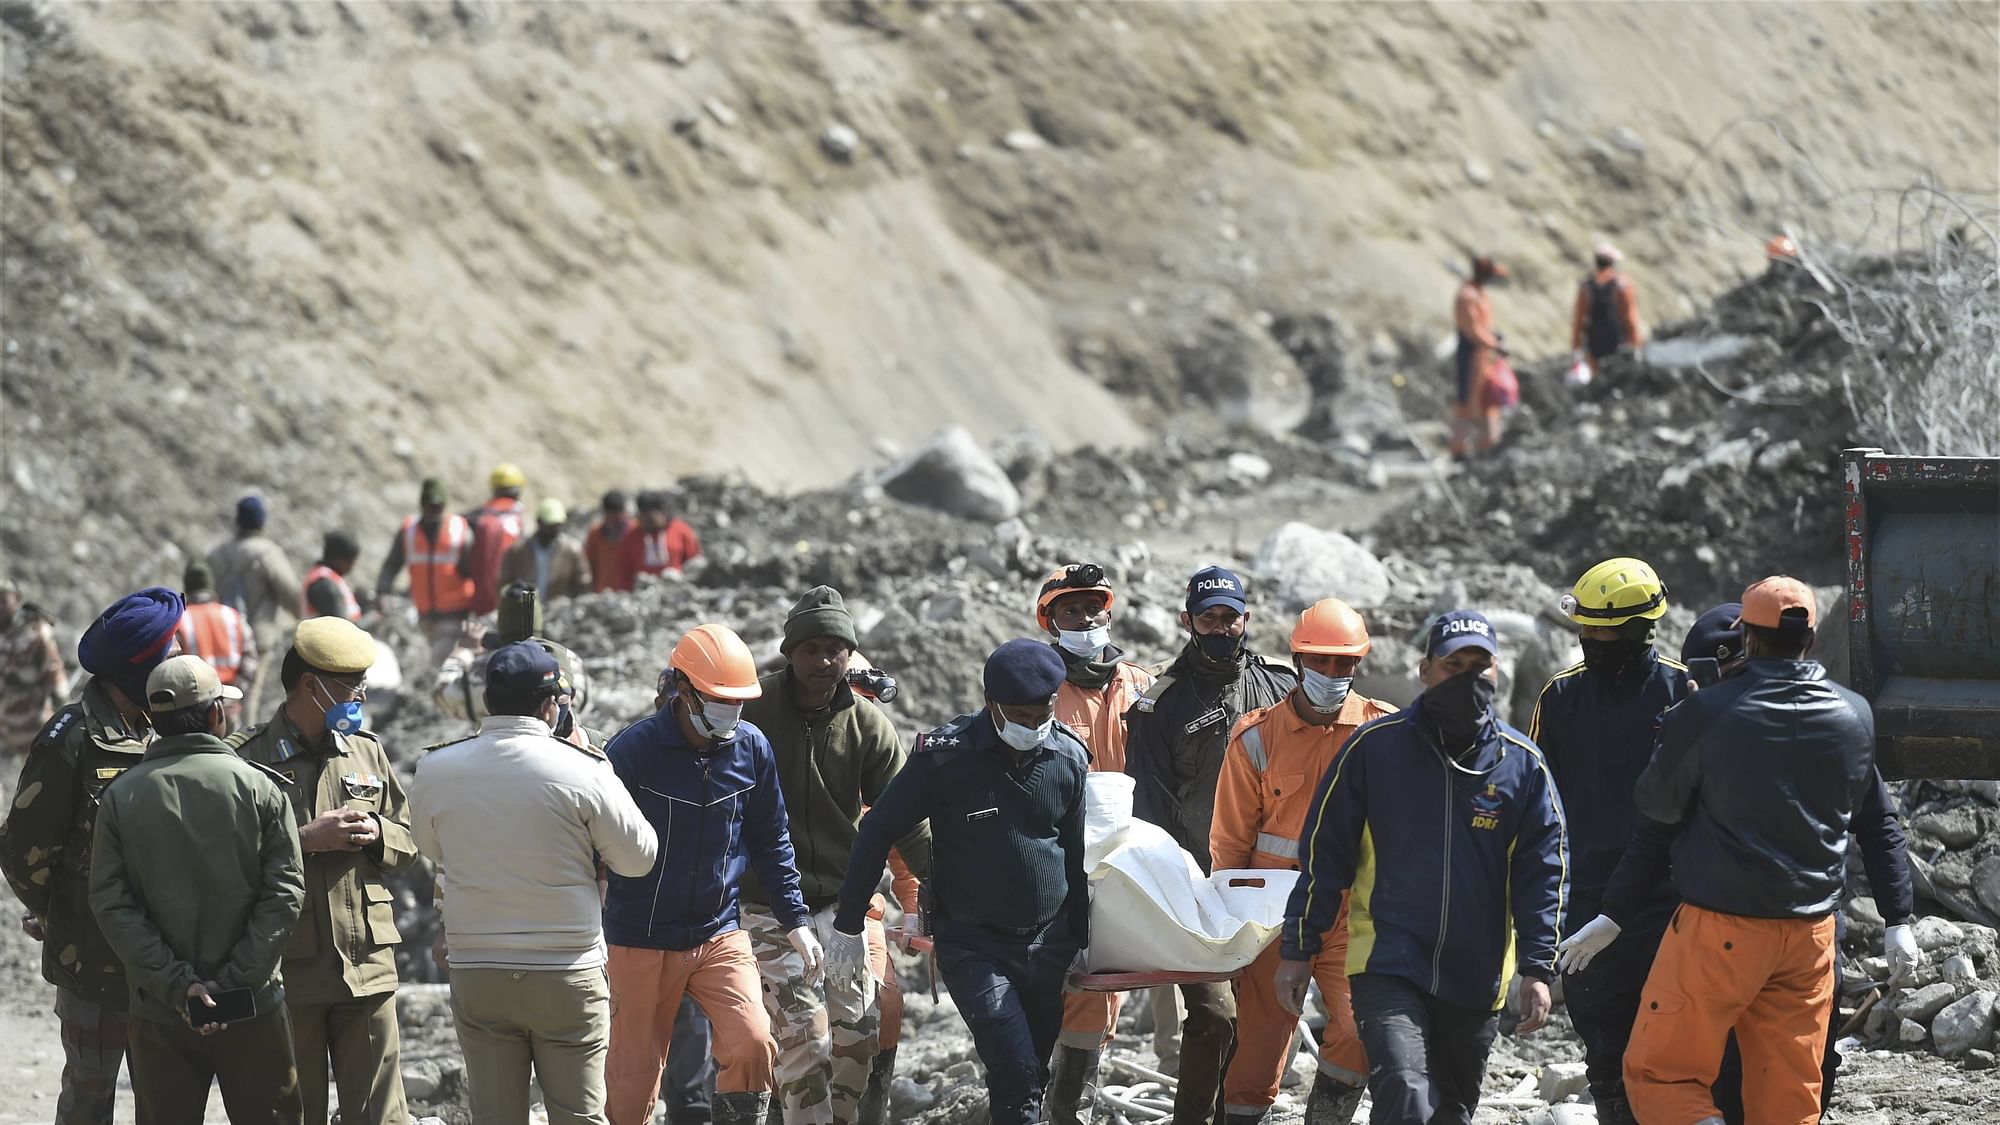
[[508, 475], [1616, 591]]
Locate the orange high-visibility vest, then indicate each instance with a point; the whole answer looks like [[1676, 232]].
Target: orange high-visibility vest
[[216, 633], [349, 608], [499, 527], [436, 583]]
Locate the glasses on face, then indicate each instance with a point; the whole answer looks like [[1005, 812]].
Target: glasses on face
[[345, 691]]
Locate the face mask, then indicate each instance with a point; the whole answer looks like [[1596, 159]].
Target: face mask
[[565, 721], [1219, 646], [341, 718], [1610, 658], [1325, 693], [717, 721], [1086, 642], [1019, 737], [1460, 705]]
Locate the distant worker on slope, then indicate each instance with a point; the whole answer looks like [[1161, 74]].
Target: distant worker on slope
[[604, 546], [33, 680], [1607, 311], [218, 634], [496, 525], [326, 592], [436, 544], [548, 560], [1262, 804], [664, 541], [1472, 414], [253, 575]]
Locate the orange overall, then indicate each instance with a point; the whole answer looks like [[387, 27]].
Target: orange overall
[[1270, 772]]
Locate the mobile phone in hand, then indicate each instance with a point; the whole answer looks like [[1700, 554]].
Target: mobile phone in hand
[[1704, 670], [231, 1005]]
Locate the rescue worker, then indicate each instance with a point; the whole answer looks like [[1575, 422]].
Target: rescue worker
[[1763, 774], [1606, 320], [195, 878], [1473, 415], [354, 828], [326, 592], [33, 681], [1275, 761], [1179, 726], [1713, 651], [461, 684], [496, 525], [253, 576], [671, 937], [662, 542], [1448, 898], [548, 560], [879, 688], [218, 634], [46, 842], [514, 818], [437, 546], [1594, 723], [604, 546], [835, 755], [1003, 791]]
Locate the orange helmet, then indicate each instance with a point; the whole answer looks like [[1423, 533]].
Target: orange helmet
[[1330, 627], [1075, 578], [717, 662], [1781, 248]]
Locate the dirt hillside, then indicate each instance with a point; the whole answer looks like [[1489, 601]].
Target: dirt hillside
[[323, 249]]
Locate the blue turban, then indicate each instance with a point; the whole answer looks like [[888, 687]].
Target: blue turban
[[251, 513], [1023, 672], [130, 639]]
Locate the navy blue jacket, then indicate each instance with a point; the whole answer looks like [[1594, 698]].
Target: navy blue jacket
[[1459, 872], [1764, 772], [1006, 840], [716, 813], [1597, 735]]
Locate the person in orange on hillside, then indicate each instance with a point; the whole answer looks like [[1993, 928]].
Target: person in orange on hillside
[[436, 545], [1762, 773], [218, 634], [496, 525], [1073, 607], [604, 546], [325, 592], [1275, 761], [1474, 416], [1607, 311], [664, 541]]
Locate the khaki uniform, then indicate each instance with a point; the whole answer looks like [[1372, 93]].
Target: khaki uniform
[[253, 574], [340, 966], [32, 680], [45, 849]]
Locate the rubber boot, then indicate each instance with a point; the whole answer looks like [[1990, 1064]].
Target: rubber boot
[[1072, 1096], [874, 1107], [1615, 1110], [742, 1107], [1332, 1101]]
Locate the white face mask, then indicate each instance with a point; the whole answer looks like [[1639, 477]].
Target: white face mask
[[1085, 642], [1019, 737], [1325, 693], [717, 721]]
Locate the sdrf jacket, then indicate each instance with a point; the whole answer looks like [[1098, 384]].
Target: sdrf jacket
[[1459, 871], [717, 813], [1269, 776]]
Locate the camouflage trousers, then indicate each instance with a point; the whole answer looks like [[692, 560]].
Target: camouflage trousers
[[828, 1034], [93, 1040]]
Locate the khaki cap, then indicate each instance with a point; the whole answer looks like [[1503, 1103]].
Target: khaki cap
[[334, 644], [184, 682]]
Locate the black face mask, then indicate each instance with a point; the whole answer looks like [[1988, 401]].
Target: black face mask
[[1459, 706], [1610, 659], [1220, 647]]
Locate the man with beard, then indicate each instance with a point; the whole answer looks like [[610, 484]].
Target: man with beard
[[1444, 824], [1594, 723]]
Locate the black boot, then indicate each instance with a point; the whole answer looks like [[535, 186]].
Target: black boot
[[1072, 1096], [1332, 1102], [744, 1107], [874, 1107]]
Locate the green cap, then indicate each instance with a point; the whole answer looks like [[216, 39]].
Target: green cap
[[198, 578], [433, 491]]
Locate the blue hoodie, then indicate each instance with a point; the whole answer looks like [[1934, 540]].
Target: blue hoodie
[[716, 813], [1458, 870]]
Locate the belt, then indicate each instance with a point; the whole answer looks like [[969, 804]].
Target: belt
[[949, 928]]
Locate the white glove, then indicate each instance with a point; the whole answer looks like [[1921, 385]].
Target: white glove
[[846, 956], [1900, 943], [1579, 949], [802, 939]]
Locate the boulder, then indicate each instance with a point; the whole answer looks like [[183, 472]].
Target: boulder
[[1933, 932], [423, 1080], [1954, 828], [1912, 1032], [1964, 1024], [1308, 564], [951, 473], [1986, 883], [1925, 1002], [1562, 1080]]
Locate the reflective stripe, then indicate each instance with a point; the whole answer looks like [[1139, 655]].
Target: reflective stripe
[[1253, 745], [1280, 846]]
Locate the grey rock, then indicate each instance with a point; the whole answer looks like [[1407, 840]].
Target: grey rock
[[422, 1080], [1248, 467], [1977, 1059], [1625, 139], [1965, 1023], [1912, 1032], [1561, 1080], [951, 473], [1308, 564], [1986, 883], [839, 142], [1477, 173], [724, 116], [1925, 1002], [1958, 967], [1954, 828], [1023, 140], [1933, 932]]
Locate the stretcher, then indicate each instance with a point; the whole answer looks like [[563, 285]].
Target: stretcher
[[1092, 982]]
